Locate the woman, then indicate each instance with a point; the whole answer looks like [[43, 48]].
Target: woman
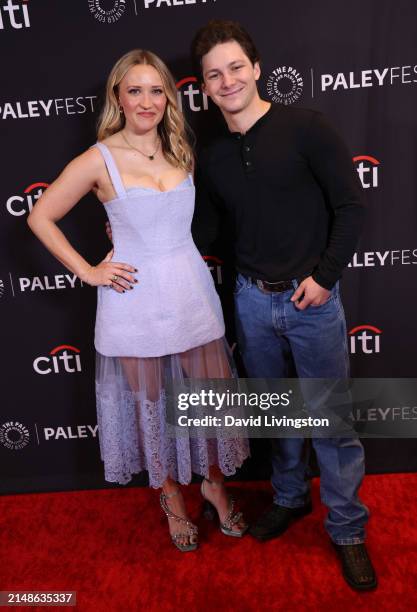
[[158, 315]]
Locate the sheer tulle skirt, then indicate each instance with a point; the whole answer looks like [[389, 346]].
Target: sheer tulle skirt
[[131, 414]]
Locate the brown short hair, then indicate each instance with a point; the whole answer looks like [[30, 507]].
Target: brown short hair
[[217, 32]]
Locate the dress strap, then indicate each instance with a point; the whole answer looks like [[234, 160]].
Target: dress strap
[[190, 176], [114, 173]]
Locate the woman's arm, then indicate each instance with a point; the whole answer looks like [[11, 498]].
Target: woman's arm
[[78, 178]]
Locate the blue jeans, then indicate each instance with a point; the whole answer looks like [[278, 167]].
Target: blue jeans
[[274, 337]]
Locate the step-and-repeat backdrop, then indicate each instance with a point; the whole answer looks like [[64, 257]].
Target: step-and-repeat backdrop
[[356, 61]]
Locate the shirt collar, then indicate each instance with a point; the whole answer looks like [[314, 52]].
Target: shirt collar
[[258, 123]]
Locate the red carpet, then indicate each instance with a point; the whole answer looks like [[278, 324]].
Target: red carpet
[[112, 547]]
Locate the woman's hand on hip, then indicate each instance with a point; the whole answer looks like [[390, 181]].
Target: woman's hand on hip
[[111, 274]]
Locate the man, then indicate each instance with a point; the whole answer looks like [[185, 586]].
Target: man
[[288, 184]]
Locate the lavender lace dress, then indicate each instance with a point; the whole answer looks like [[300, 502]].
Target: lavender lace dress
[[168, 327]]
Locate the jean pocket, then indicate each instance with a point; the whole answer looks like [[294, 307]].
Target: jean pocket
[[326, 303], [334, 292]]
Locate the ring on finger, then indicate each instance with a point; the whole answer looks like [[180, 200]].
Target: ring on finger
[[114, 277]]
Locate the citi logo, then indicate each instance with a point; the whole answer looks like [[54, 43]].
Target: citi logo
[[14, 14], [21, 205], [365, 339], [59, 360], [214, 264], [191, 96], [367, 168]]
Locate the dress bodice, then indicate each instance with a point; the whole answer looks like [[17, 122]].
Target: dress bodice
[[146, 220], [174, 306]]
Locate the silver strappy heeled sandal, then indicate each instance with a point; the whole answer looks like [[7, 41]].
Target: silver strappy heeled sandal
[[191, 529], [232, 517]]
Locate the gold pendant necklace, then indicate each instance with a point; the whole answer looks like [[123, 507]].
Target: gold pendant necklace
[[150, 157]]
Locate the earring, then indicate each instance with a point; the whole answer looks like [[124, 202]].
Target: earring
[[121, 110]]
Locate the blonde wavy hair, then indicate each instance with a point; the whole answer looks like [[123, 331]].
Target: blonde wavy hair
[[172, 129]]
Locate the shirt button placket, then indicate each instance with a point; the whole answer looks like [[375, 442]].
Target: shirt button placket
[[247, 156]]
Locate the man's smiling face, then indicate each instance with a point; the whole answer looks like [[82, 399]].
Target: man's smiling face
[[230, 77]]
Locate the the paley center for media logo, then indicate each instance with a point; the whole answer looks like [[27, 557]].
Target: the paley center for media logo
[[14, 435], [110, 11], [285, 85], [105, 11]]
